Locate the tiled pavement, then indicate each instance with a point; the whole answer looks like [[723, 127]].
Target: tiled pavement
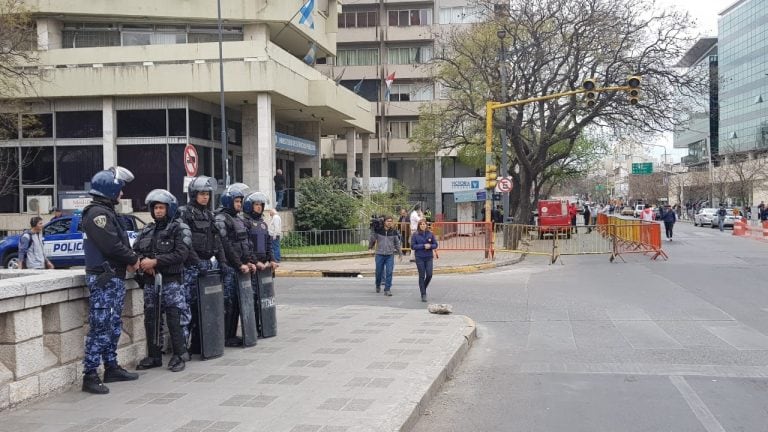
[[354, 368]]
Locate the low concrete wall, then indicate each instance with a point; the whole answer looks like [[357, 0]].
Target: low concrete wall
[[43, 323]]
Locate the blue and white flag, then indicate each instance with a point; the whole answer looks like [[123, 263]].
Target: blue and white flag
[[358, 86], [310, 57], [306, 14]]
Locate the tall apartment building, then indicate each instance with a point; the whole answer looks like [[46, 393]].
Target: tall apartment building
[[378, 38], [133, 83]]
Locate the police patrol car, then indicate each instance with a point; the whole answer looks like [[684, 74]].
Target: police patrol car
[[63, 241]]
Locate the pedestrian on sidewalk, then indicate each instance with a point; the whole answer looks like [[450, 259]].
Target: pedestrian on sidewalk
[[275, 231], [721, 212], [669, 217], [387, 241], [424, 243], [587, 218], [404, 225], [31, 252]]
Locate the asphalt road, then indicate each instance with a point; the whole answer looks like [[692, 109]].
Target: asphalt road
[[586, 345]]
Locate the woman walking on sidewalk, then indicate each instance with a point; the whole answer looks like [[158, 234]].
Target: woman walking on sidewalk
[[423, 244]]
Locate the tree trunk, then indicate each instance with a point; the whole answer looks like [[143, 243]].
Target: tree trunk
[[523, 214]]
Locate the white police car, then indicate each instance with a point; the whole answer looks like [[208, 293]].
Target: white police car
[[63, 241]]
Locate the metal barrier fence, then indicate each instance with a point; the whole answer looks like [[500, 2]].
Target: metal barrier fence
[[324, 241], [632, 236]]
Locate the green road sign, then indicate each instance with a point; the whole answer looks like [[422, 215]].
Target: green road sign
[[642, 168], [599, 187]]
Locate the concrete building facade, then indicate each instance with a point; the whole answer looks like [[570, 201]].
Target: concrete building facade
[[134, 83]]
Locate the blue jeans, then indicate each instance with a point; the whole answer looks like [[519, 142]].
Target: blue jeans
[[720, 222], [385, 264], [276, 249], [425, 273], [279, 199]]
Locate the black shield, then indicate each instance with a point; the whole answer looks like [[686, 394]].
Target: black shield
[[210, 317], [267, 303], [247, 317]]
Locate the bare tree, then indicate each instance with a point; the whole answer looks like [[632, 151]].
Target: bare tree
[[553, 45], [651, 188]]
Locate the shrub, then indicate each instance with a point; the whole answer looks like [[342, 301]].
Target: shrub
[[323, 206]]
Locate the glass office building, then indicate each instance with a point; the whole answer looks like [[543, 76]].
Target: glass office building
[[743, 70]]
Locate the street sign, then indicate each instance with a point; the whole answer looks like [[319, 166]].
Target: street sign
[[191, 162], [599, 187], [504, 185], [644, 168], [469, 196]]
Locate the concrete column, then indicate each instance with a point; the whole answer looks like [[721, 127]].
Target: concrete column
[[350, 157], [250, 144], [109, 132], [49, 34], [438, 185], [366, 147], [265, 156]]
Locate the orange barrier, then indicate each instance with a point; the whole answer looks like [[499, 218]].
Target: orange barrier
[[464, 236], [739, 228], [765, 228], [630, 235]]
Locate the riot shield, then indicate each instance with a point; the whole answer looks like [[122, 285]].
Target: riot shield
[[247, 317], [208, 333], [267, 305]]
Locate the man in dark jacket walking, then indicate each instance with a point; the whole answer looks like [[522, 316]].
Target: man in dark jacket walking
[[387, 241], [669, 217]]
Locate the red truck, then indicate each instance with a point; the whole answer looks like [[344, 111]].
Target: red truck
[[554, 218]]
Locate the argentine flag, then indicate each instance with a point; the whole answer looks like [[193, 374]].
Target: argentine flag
[[306, 14]]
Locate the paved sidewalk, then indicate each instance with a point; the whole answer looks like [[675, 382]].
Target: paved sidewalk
[[347, 369], [449, 262]]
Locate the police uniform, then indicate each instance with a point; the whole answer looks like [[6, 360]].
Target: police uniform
[[168, 241], [235, 243], [206, 243], [107, 254], [261, 252]]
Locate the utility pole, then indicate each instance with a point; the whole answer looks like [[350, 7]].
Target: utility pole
[[504, 150], [224, 155]]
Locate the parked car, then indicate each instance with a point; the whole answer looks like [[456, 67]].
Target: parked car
[[705, 216], [639, 210], [627, 211], [63, 241]]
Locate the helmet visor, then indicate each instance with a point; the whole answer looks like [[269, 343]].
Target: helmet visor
[[123, 174]]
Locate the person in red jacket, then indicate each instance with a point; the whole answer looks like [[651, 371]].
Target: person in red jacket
[[572, 212]]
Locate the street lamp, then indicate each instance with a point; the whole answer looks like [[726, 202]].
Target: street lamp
[[665, 153], [224, 155], [501, 34]]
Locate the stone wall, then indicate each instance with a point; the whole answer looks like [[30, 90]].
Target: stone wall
[[43, 323]]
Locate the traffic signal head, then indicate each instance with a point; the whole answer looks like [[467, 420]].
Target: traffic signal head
[[590, 95], [490, 176], [589, 84], [633, 94]]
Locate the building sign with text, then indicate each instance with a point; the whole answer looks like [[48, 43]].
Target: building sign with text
[[462, 184], [295, 144]]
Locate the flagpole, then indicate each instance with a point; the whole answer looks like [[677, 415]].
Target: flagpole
[[224, 155], [287, 23]]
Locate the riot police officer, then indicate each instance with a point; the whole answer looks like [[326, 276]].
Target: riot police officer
[[206, 243], [261, 259], [163, 247], [108, 256], [235, 243]]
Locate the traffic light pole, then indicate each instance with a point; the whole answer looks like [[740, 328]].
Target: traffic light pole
[[491, 106]]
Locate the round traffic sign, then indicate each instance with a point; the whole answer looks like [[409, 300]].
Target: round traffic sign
[[190, 160], [505, 184]]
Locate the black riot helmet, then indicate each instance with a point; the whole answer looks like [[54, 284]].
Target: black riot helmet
[[109, 182], [233, 191], [164, 197], [255, 198], [201, 184]]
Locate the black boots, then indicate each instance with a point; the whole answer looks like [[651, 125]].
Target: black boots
[[154, 356], [424, 298], [92, 384], [115, 373], [231, 316], [178, 343]]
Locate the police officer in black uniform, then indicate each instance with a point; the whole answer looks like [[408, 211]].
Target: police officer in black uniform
[[235, 242], [108, 256], [206, 243], [163, 247]]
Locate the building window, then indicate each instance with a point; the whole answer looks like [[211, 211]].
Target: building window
[[83, 35], [409, 55], [76, 165], [79, 124], [37, 166], [9, 126], [411, 92], [410, 17], [400, 129], [459, 15], [199, 125], [141, 123], [177, 122], [358, 57], [9, 181], [37, 126], [358, 19], [150, 162]]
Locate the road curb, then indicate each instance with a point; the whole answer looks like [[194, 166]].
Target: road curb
[[470, 335], [472, 268]]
